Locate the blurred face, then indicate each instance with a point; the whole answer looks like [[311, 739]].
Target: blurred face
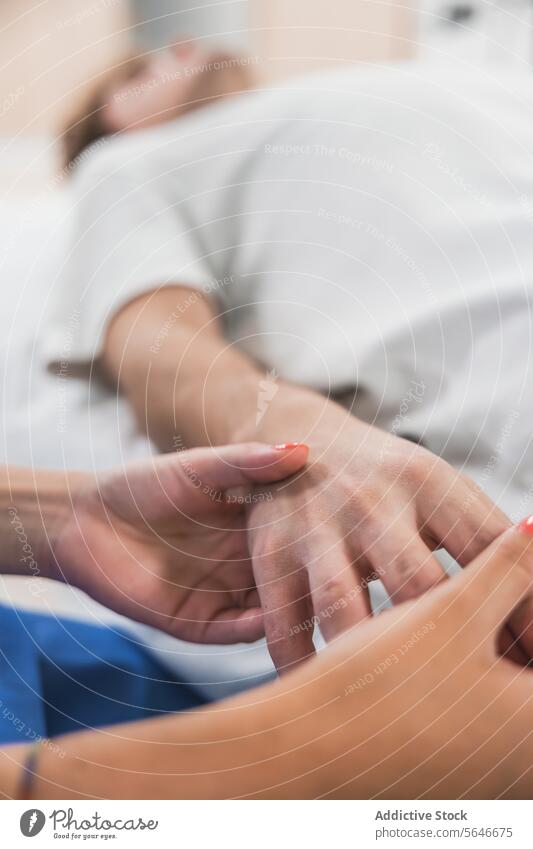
[[161, 86]]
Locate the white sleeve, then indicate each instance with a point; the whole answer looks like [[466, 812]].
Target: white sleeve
[[129, 237]]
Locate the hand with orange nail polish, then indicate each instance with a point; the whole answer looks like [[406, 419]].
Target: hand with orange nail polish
[[164, 541]]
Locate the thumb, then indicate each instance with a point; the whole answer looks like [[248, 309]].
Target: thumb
[[495, 583], [245, 464]]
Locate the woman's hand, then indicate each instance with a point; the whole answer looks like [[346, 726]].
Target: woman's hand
[[368, 505], [445, 715], [417, 703], [165, 543]]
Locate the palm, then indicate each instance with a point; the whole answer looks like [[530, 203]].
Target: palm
[[154, 548]]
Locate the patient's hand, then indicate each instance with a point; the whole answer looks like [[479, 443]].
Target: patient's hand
[[163, 543], [367, 505]]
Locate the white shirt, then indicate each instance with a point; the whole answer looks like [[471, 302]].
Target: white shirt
[[369, 227]]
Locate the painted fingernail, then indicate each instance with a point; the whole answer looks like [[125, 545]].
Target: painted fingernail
[[289, 446], [526, 526]]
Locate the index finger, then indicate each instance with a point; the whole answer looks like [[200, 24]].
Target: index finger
[[288, 620]]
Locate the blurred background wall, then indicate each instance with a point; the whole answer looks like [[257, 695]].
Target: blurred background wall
[[226, 22], [51, 50], [476, 31]]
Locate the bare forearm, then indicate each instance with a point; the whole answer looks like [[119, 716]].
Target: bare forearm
[[189, 386], [168, 356], [263, 744]]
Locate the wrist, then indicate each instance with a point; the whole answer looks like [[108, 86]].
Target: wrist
[[12, 759], [302, 415], [288, 414], [35, 506]]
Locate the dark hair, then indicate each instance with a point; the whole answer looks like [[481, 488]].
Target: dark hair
[[228, 75], [86, 125]]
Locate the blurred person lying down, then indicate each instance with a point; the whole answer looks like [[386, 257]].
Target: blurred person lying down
[[359, 233], [148, 89]]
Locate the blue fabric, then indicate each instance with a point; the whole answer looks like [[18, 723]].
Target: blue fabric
[[58, 675]]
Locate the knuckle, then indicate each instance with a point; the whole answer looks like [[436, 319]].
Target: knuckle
[[516, 549], [414, 585], [278, 633], [358, 505], [421, 467], [331, 590], [269, 546], [483, 536]]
